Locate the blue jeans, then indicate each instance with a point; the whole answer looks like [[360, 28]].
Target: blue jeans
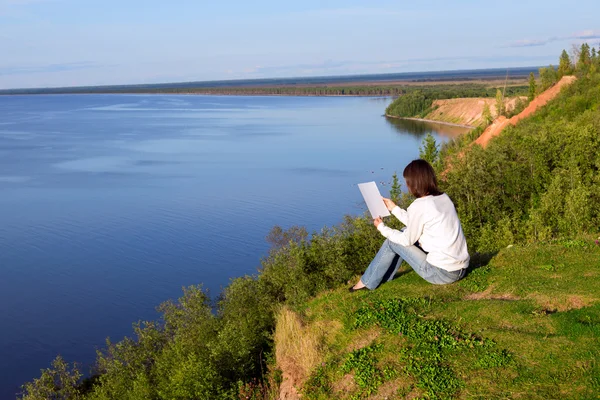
[[390, 256]]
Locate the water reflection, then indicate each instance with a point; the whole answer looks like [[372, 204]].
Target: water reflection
[[419, 129]]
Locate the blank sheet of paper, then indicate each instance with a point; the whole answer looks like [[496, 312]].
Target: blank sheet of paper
[[372, 197]]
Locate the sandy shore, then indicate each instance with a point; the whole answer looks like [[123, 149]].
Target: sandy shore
[[432, 121]]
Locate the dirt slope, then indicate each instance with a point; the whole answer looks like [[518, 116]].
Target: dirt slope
[[465, 111], [499, 124]]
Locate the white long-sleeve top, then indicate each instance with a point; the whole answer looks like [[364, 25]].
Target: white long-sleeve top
[[434, 223]]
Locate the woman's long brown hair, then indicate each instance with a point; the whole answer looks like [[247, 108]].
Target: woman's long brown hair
[[420, 179]]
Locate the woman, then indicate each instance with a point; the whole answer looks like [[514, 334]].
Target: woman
[[432, 243]]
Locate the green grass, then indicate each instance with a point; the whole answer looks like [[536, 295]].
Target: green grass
[[525, 325]]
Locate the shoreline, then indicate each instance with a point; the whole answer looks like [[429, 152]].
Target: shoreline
[[201, 94], [431, 121], [304, 86]]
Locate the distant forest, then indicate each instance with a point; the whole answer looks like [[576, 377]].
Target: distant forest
[[476, 81]]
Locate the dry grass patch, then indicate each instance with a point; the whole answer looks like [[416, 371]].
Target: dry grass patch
[[488, 294], [563, 302], [363, 339], [343, 386], [300, 347], [396, 388]]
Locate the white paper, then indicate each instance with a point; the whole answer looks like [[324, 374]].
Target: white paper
[[373, 198]]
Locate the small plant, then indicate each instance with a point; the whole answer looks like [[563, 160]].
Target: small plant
[[318, 384], [433, 374], [364, 363], [389, 373], [494, 359], [573, 243]]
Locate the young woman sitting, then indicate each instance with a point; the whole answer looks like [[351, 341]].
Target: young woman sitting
[[432, 243]]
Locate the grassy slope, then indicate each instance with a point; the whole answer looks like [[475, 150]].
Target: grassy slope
[[526, 325]]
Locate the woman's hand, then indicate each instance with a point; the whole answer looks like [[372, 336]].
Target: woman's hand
[[377, 221], [389, 203]]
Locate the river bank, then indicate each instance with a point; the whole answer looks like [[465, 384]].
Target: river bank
[[430, 121]]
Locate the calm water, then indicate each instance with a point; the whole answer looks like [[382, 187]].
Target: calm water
[[111, 203]]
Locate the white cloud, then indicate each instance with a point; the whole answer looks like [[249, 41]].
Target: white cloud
[[587, 34]]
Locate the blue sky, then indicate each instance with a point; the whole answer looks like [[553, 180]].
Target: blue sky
[[47, 43]]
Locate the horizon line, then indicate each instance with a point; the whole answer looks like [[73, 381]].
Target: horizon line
[[252, 80]]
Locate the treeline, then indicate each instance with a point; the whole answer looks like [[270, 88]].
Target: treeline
[[418, 102], [359, 90], [399, 89], [384, 90], [537, 181], [449, 89]]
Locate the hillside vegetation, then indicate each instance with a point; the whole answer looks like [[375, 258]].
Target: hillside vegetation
[[526, 325], [502, 122], [479, 105], [523, 324]]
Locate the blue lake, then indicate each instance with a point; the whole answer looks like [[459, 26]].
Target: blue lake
[[110, 204]]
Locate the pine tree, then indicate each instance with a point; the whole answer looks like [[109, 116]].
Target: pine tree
[[532, 86], [486, 115], [584, 57], [564, 66], [499, 103], [594, 55], [429, 149], [395, 191]]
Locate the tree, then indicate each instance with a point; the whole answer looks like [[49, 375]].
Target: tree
[[548, 76], [279, 238], [532, 86], [58, 382], [499, 103], [409, 105], [395, 191], [564, 66], [584, 57], [486, 115], [429, 150], [519, 106], [594, 55]]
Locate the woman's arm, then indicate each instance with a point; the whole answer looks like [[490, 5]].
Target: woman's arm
[[396, 211], [401, 214], [409, 236]]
